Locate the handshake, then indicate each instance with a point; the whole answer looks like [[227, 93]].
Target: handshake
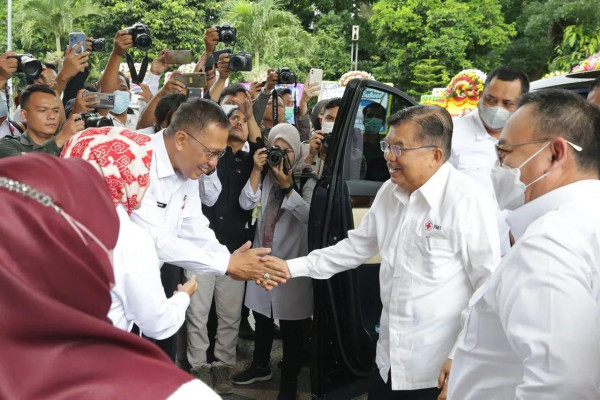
[[257, 265]]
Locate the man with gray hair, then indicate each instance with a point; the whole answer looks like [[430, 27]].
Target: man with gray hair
[[435, 229], [533, 331]]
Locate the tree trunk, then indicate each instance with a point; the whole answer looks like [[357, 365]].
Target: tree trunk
[[57, 39]]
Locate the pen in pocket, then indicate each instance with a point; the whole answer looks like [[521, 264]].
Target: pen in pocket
[[428, 242]]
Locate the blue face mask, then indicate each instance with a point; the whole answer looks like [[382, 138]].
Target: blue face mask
[[373, 125], [3, 106], [121, 101], [289, 113]]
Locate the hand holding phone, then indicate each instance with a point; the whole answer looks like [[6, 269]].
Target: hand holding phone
[[76, 38], [178, 57]]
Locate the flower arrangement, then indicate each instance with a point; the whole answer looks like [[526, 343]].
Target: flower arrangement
[[348, 76], [589, 64], [466, 86], [554, 73]]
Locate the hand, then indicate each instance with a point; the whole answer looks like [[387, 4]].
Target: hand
[[84, 103], [88, 44], [248, 265], [276, 264], [285, 180], [123, 42], [73, 125], [443, 379], [315, 142], [146, 94], [159, 65], [308, 93], [245, 246], [211, 40], [260, 159], [8, 65], [189, 287], [272, 79], [223, 66], [74, 63], [173, 86], [245, 106], [255, 88]]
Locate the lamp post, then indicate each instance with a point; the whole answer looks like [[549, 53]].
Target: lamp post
[[354, 48]]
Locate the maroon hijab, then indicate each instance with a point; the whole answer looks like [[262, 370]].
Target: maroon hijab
[[55, 339]]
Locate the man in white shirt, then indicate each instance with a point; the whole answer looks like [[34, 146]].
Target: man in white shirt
[[533, 330], [476, 133], [436, 232], [171, 210]]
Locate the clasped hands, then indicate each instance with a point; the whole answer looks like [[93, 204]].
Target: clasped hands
[[257, 265]]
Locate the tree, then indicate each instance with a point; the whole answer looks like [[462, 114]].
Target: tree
[[458, 33], [52, 18], [262, 25], [428, 74]]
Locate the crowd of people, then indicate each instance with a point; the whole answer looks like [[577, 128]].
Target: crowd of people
[[135, 224]]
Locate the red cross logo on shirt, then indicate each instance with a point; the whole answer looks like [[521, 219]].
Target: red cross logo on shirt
[[428, 226]]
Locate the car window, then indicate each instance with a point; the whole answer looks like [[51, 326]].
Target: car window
[[364, 160]]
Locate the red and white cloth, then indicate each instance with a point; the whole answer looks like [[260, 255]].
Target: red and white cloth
[[121, 156]]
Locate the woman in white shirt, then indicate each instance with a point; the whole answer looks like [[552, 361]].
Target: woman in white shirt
[[123, 159], [282, 226]]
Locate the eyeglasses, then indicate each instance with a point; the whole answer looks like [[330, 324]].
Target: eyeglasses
[[210, 153], [503, 149], [397, 150]]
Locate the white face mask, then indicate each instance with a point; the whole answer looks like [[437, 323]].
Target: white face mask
[[509, 189], [327, 126], [494, 117]]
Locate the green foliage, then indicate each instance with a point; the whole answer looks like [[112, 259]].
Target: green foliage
[[576, 46], [428, 74], [459, 34]]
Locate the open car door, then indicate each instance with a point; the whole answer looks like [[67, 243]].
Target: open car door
[[347, 306]]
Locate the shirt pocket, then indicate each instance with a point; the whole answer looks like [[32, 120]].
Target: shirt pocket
[[433, 257]]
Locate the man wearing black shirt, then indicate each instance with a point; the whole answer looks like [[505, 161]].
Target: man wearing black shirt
[[232, 227]]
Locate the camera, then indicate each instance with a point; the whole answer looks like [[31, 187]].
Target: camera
[[98, 44], [275, 155], [29, 65], [141, 36], [227, 33], [95, 120], [286, 76], [326, 142], [241, 61]]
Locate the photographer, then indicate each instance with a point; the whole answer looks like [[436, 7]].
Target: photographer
[[41, 111], [172, 86], [281, 225], [163, 112], [317, 146], [261, 104], [8, 66]]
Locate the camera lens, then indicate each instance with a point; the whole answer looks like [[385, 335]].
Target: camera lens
[[143, 41], [237, 63]]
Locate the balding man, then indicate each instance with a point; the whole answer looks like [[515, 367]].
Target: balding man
[[533, 332], [436, 231]]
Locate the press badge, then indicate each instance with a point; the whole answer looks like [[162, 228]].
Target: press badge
[[161, 205]]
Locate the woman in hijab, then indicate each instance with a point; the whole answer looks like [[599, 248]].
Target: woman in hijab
[[282, 225], [122, 157], [57, 232]]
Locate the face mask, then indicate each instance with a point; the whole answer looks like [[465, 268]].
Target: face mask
[[494, 117], [289, 113], [3, 106], [227, 108], [327, 126], [121, 101], [373, 125], [509, 189]]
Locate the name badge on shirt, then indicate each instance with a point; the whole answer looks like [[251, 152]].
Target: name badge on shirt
[[161, 205]]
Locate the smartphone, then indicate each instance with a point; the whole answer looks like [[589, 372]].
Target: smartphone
[[194, 92], [193, 79], [217, 54], [75, 38], [315, 75], [105, 100], [178, 57]]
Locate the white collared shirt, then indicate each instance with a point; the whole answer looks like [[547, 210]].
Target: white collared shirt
[[473, 150], [171, 212], [131, 123], [138, 295], [437, 245], [533, 331]]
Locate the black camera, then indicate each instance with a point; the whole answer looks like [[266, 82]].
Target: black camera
[[95, 120], [275, 155], [29, 65], [326, 142], [241, 61], [98, 44], [141, 36], [227, 33], [286, 76]]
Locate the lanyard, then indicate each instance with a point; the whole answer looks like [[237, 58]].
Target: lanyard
[[135, 77]]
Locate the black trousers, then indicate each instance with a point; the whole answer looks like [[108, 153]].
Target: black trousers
[[291, 334], [380, 390], [170, 275]]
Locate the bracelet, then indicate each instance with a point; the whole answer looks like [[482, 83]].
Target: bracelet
[[286, 190], [209, 77]]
